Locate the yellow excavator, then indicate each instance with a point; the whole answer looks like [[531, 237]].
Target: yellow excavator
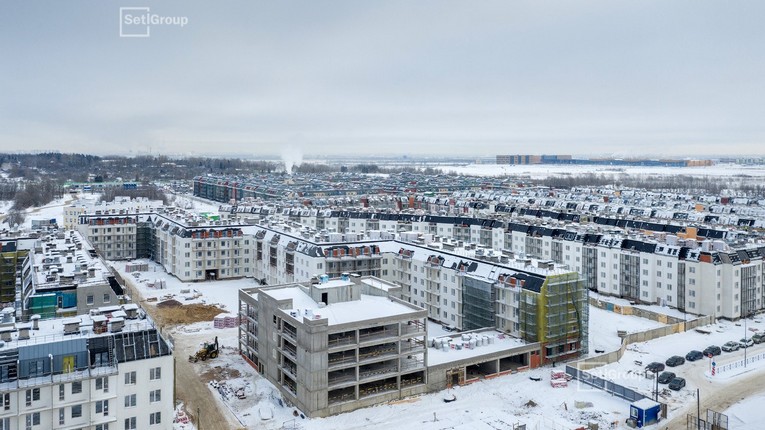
[[208, 350]]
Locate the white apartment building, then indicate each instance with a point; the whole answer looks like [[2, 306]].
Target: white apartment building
[[98, 372]]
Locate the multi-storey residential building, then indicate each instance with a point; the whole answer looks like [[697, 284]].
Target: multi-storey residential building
[[120, 206], [332, 346], [63, 276], [108, 370]]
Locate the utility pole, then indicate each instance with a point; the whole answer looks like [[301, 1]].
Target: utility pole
[[746, 341], [698, 409]]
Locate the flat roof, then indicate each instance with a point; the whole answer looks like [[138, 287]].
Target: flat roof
[[366, 308], [493, 341]]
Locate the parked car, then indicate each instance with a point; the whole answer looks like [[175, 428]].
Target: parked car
[[759, 337], [712, 350], [745, 342], [654, 367], [694, 355], [730, 346], [666, 377], [677, 384], [675, 360]]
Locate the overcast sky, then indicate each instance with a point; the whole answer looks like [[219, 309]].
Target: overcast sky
[[470, 78]]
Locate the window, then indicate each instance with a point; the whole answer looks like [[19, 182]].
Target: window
[[102, 384], [102, 406], [155, 418], [130, 423], [89, 299], [33, 395], [5, 424], [104, 426], [107, 298], [77, 387], [130, 401], [61, 416], [76, 411], [155, 373], [130, 378], [33, 419], [61, 389], [154, 396], [7, 401], [692, 269]]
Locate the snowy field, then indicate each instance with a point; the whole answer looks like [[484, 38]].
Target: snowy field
[[538, 171]]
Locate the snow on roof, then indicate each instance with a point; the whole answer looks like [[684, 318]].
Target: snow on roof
[[645, 403], [52, 330], [333, 283], [458, 346], [366, 308], [378, 283]]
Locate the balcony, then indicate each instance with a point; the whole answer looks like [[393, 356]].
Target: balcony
[[377, 333], [289, 350], [289, 332], [377, 352], [343, 358], [377, 370], [341, 377], [337, 340]]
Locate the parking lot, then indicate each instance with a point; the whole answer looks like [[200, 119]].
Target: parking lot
[[630, 370]]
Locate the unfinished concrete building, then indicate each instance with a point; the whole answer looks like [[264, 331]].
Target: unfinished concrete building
[[332, 346]]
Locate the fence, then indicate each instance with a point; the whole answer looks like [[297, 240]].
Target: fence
[[602, 384], [738, 364]]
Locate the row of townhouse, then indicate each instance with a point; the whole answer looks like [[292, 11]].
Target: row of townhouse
[[292, 244], [700, 277], [662, 268], [459, 285], [119, 206], [103, 370]]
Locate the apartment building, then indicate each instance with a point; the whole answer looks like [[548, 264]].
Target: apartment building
[[99, 371], [62, 275], [119, 206], [335, 345]]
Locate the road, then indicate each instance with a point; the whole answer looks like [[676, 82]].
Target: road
[[719, 396], [189, 387]]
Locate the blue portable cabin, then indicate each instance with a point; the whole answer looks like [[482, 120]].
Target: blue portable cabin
[[645, 412]]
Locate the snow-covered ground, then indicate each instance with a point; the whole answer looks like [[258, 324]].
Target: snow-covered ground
[[664, 310], [629, 371], [224, 294], [746, 414], [480, 405], [538, 171], [604, 325]]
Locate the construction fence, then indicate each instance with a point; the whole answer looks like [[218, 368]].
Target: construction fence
[[608, 386]]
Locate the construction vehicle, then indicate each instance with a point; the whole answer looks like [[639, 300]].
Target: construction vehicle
[[208, 350]]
